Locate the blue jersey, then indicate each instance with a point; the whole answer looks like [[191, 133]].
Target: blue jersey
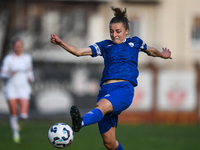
[[120, 60]]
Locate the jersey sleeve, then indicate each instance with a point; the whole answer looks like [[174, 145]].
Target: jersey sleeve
[[142, 44], [5, 73], [98, 48]]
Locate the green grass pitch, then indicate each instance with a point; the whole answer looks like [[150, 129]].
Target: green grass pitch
[[132, 137]]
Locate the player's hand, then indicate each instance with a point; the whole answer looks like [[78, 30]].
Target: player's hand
[[166, 53], [55, 39]]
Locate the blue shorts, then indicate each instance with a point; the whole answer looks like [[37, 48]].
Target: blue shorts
[[120, 94]]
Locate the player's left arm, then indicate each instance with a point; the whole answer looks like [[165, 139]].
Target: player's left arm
[[165, 54], [31, 76]]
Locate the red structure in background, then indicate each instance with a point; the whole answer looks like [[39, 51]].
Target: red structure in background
[[165, 117]]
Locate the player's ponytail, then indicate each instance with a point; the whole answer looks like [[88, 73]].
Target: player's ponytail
[[120, 16]]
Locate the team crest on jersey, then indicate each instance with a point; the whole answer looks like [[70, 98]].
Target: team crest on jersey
[[131, 44]]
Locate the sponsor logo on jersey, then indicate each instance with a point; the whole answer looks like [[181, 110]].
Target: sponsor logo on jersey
[[109, 45]]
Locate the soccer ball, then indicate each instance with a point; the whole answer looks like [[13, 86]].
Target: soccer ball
[[60, 135]]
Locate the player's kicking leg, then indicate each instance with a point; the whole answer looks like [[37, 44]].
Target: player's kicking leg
[[91, 117]]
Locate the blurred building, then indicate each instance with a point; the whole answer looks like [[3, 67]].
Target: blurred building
[[160, 23], [174, 24]]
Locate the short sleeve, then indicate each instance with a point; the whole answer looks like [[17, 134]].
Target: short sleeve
[[95, 50], [98, 48], [142, 44]]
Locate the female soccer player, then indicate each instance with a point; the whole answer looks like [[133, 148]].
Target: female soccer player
[[16, 69], [118, 79]]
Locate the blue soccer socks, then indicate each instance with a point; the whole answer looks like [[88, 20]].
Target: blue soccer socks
[[92, 117], [119, 147]]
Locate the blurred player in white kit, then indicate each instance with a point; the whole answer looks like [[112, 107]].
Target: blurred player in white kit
[[17, 71]]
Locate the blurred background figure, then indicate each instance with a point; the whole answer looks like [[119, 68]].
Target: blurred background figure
[[17, 72]]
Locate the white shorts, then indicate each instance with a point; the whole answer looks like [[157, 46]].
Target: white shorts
[[14, 92]]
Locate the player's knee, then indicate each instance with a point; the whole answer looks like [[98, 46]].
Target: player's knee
[[105, 106], [24, 116], [110, 144]]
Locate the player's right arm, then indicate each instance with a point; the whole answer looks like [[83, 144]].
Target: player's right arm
[[71, 49], [5, 73]]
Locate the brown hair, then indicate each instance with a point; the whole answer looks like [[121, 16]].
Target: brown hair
[[15, 40], [120, 16]]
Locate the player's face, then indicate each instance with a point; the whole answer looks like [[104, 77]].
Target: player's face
[[18, 47], [118, 32]]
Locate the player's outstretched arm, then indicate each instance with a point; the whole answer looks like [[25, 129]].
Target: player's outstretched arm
[[71, 49], [165, 54]]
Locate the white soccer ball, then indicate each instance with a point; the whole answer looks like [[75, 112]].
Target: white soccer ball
[[60, 135]]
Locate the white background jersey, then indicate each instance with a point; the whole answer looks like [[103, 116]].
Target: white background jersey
[[22, 67]]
